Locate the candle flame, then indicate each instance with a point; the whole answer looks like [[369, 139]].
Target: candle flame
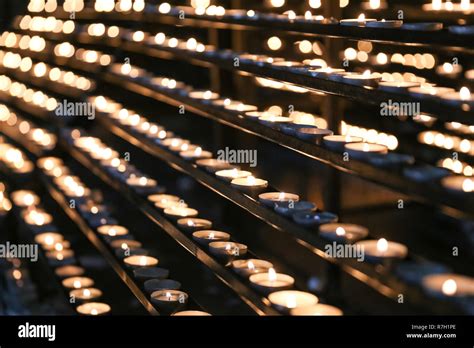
[[281, 196], [124, 246], [168, 296], [49, 240], [291, 301], [77, 284], [366, 73], [143, 261], [468, 185], [190, 223], [366, 147], [437, 4], [143, 181], [465, 5], [207, 95], [382, 245], [340, 231], [58, 247], [465, 94], [86, 293], [211, 235], [449, 287], [228, 246], [251, 180], [251, 265], [112, 232], [361, 18], [94, 311], [272, 276], [198, 151]]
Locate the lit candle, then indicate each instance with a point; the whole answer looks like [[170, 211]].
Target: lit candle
[[93, 308], [204, 237], [274, 121], [313, 134], [231, 174], [194, 224], [163, 198], [311, 219], [318, 310], [343, 233], [288, 64], [112, 230], [60, 257], [227, 250], [169, 301], [77, 282], [136, 261], [397, 86], [174, 144], [203, 95], [240, 107], [449, 285], [24, 198], [380, 250], [47, 240], [246, 268], [287, 300], [365, 79], [249, 184], [141, 184], [329, 73], [178, 212], [365, 150], [214, 165], [36, 217], [191, 314], [463, 99], [197, 153], [271, 198], [423, 26], [338, 142], [360, 21], [458, 184], [69, 271], [125, 244], [290, 208], [49, 163], [85, 294], [271, 281], [429, 91]]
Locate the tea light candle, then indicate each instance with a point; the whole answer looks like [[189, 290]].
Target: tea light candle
[[449, 285], [458, 183], [231, 174], [397, 86], [112, 230], [153, 285], [141, 183], [360, 21], [177, 212], [463, 98], [69, 271], [380, 250], [198, 153], [343, 233], [338, 142], [292, 299], [204, 237], [93, 308], [194, 224], [49, 163], [47, 240], [240, 107], [146, 273], [24, 198], [174, 144], [258, 114], [423, 26], [311, 219], [429, 91], [163, 198], [85, 294], [273, 120], [77, 282], [227, 250], [214, 165], [249, 184], [203, 95], [312, 134], [328, 73], [37, 218], [271, 281], [365, 150], [136, 261], [246, 268], [125, 244], [365, 79], [385, 24], [317, 309], [191, 314], [288, 64], [169, 301], [271, 198], [290, 208]]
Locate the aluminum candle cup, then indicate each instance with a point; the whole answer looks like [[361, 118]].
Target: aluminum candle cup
[[137, 261], [246, 268], [169, 301], [85, 295], [146, 273], [382, 250], [338, 142], [449, 285], [178, 212], [288, 300], [249, 184], [204, 237], [290, 208], [313, 134], [397, 87], [112, 232], [213, 165], [310, 219], [364, 151], [69, 271], [163, 198], [227, 251], [270, 199], [343, 233], [194, 224], [231, 174], [361, 21], [93, 308], [271, 281], [77, 282], [318, 309]]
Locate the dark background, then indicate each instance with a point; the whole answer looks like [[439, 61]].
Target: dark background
[[9, 8]]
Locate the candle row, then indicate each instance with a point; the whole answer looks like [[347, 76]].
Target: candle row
[[14, 159], [59, 254], [164, 293]]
